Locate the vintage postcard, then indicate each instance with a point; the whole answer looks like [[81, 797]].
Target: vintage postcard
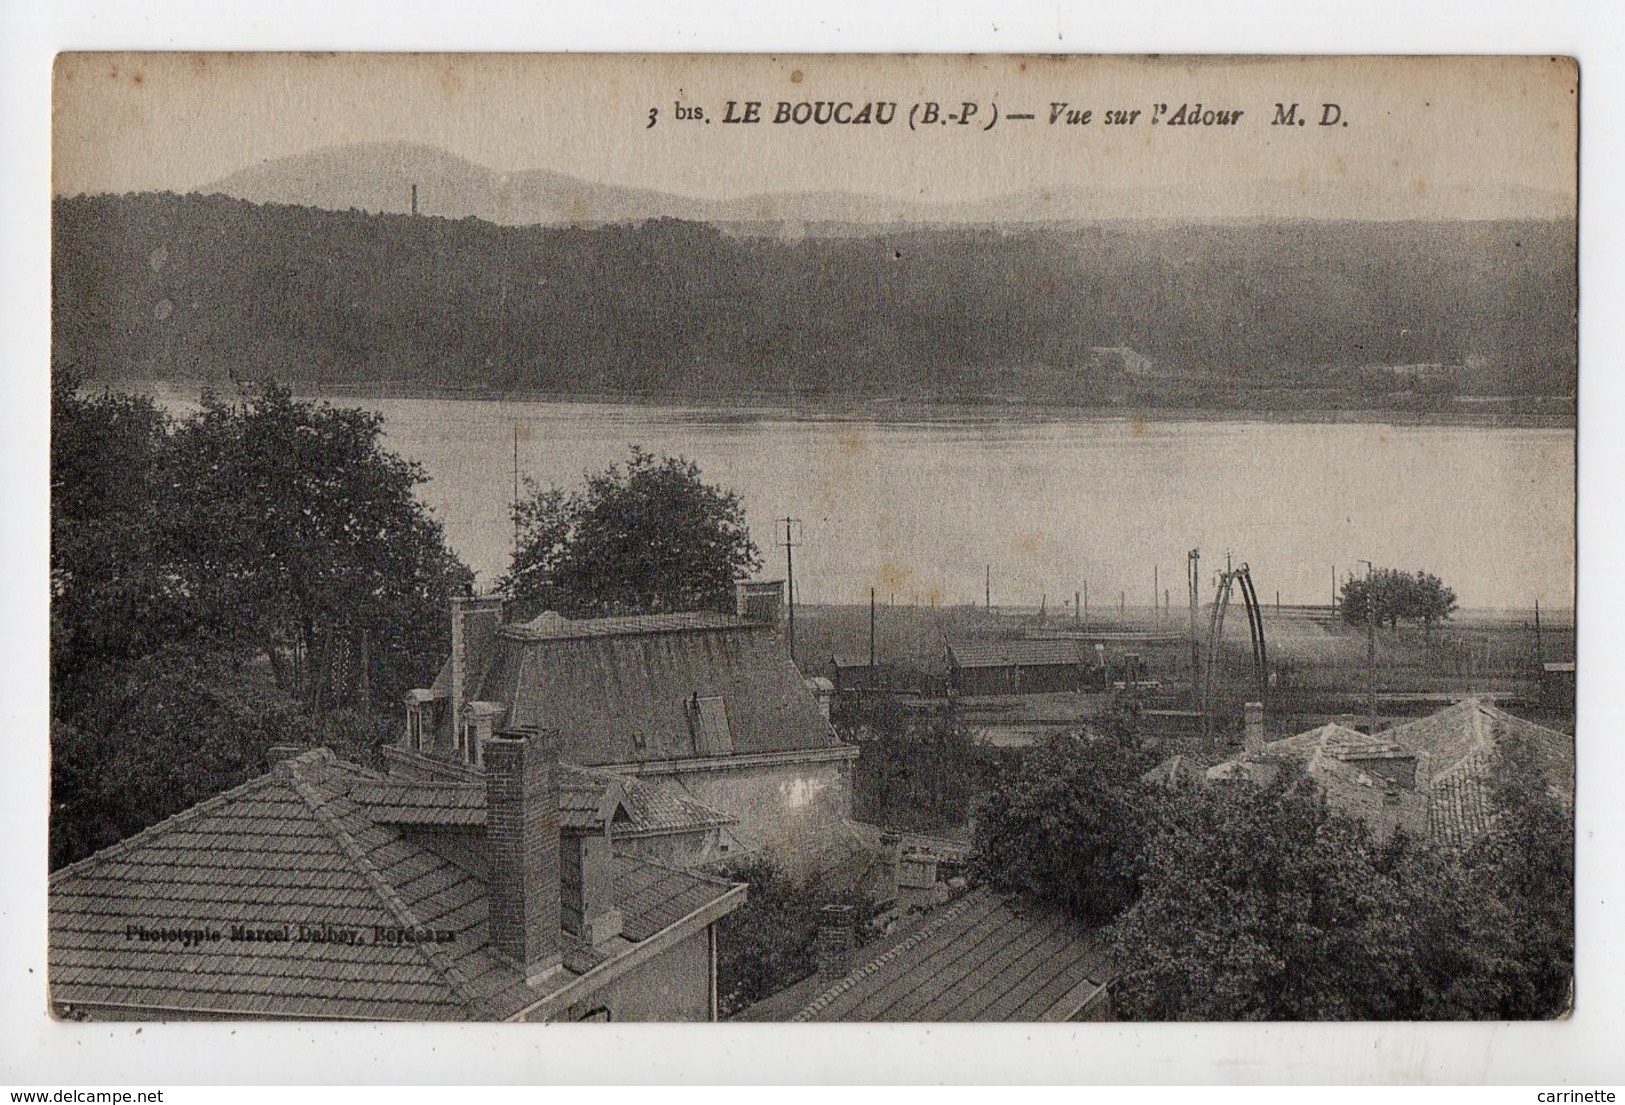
[[805, 538]]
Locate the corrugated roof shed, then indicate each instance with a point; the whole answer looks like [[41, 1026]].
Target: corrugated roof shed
[[981, 958], [293, 848], [1007, 654]]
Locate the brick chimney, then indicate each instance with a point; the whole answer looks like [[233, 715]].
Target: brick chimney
[[522, 839], [835, 940], [1252, 737], [587, 887], [474, 621], [759, 601], [891, 858]]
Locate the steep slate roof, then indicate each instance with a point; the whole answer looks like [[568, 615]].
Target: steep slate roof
[[981, 958], [550, 626], [293, 848], [616, 688], [1018, 653]]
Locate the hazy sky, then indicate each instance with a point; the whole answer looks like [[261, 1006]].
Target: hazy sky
[[1423, 137]]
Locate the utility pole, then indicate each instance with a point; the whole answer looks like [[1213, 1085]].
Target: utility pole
[[1193, 566], [987, 589], [1086, 600], [1370, 644], [1540, 652], [871, 635], [1156, 586], [515, 464], [1077, 606], [790, 578]]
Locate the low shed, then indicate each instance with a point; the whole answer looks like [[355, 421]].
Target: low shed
[[1015, 667]]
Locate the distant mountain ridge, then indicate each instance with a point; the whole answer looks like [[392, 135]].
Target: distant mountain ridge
[[378, 178]]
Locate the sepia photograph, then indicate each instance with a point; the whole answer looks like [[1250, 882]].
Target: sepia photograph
[[813, 538]]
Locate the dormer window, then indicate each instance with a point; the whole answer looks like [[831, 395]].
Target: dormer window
[[708, 725]]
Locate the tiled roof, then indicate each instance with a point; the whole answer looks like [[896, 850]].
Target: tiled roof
[[1460, 805], [653, 897], [586, 798], [656, 806], [292, 849], [1018, 653], [414, 803], [620, 695], [1360, 795], [550, 626], [1176, 770], [982, 958], [1475, 728]]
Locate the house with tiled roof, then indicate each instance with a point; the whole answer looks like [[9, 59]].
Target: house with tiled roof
[[322, 890], [1432, 777], [702, 706], [982, 957], [1458, 749]]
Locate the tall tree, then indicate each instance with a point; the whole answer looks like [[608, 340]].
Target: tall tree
[[304, 537], [114, 600], [648, 537]]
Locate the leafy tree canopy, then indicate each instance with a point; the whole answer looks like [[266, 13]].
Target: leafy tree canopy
[[1391, 596], [1065, 824], [302, 534], [258, 572], [1234, 901], [770, 942], [646, 537]]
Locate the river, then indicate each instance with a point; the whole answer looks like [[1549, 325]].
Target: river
[[934, 508], [922, 509]]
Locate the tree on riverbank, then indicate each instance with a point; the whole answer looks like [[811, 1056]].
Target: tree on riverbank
[[1390, 596]]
